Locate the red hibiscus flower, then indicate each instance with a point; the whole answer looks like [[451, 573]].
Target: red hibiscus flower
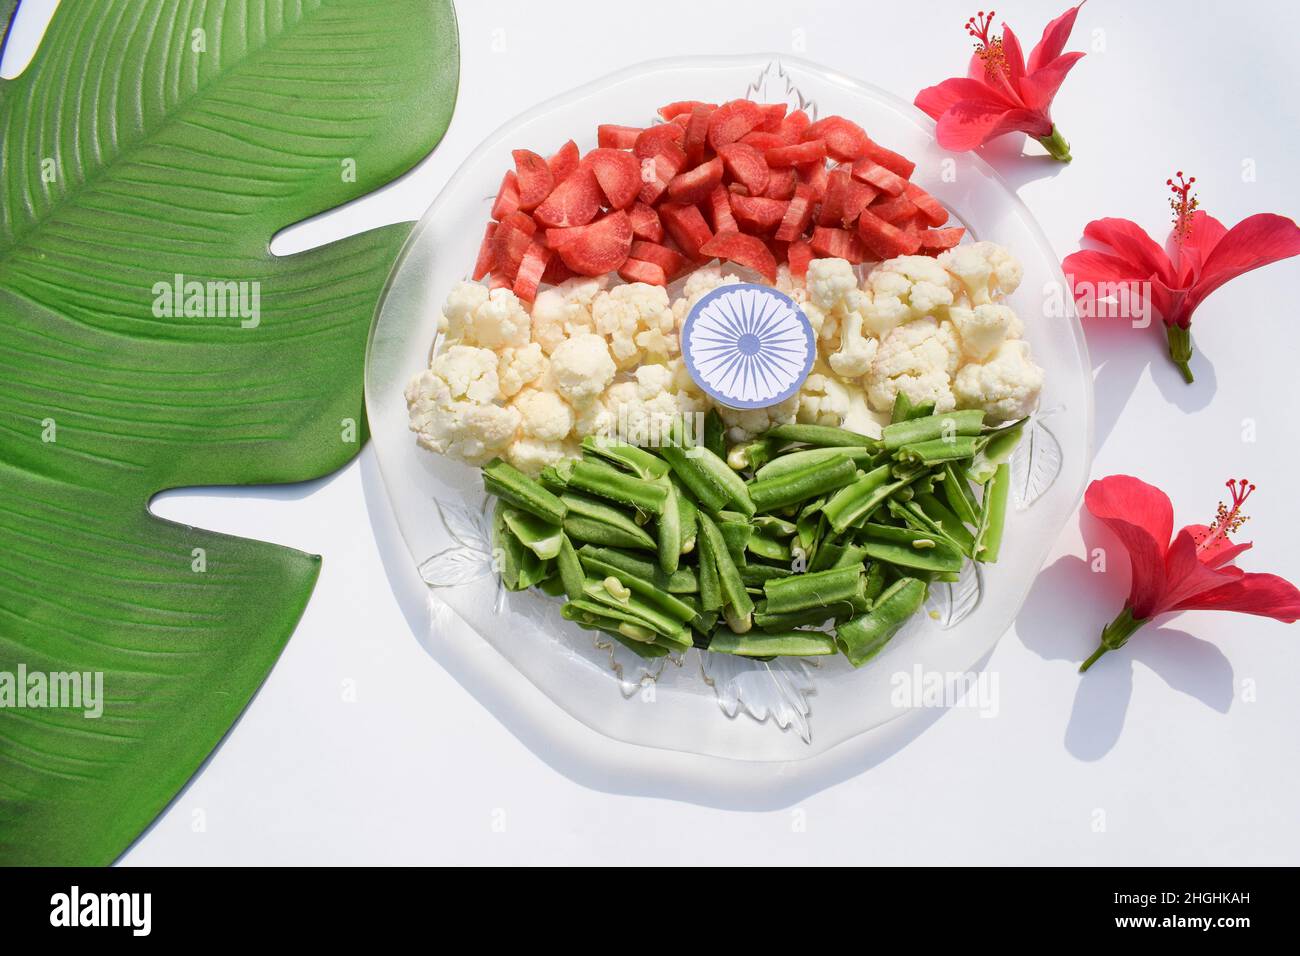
[[1001, 92], [1193, 573], [1205, 255]]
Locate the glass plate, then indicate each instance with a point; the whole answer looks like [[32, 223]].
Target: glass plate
[[713, 704]]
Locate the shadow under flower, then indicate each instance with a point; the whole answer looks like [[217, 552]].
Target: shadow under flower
[[1185, 663]]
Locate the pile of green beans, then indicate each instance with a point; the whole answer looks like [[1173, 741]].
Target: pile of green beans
[[808, 540]]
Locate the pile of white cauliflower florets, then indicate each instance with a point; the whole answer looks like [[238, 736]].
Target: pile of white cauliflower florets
[[591, 359]]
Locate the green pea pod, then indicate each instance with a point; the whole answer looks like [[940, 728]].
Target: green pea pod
[[736, 603], [669, 531], [945, 426], [592, 531], [993, 515], [904, 410], [681, 581], [796, 487], [669, 604], [906, 548], [956, 490], [686, 510], [939, 450], [640, 462], [610, 483], [756, 575], [513, 486], [996, 451], [774, 526], [821, 435], [629, 631], [860, 455], [715, 433], [947, 522], [863, 637], [736, 535], [814, 589], [539, 536], [770, 621], [570, 567], [768, 547], [633, 607], [507, 552], [788, 643], [710, 584], [855, 502]]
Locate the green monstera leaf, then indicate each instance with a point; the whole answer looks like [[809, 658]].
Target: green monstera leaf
[[150, 340]]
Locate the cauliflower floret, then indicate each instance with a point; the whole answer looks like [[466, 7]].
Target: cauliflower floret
[[829, 281], [453, 409], [581, 367], [638, 322], [463, 301], [1006, 386], [860, 418], [543, 415], [984, 328], [518, 367], [823, 400], [699, 284], [643, 411], [985, 269], [746, 423], [918, 359], [904, 289], [498, 321], [565, 311], [531, 455], [856, 350]]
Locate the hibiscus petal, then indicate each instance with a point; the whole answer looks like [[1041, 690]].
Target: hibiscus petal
[[1131, 242], [1090, 267], [1255, 241], [934, 101], [1205, 233], [1142, 518], [1220, 552], [1185, 575], [1266, 595], [972, 123], [1055, 35], [1038, 89], [1014, 56]]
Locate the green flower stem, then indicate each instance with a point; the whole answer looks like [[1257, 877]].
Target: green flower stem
[[1180, 350], [1056, 145], [1115, 635]]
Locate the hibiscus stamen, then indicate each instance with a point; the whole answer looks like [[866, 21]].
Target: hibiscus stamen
[[988, 48], [1228, 519], [1183, 203]]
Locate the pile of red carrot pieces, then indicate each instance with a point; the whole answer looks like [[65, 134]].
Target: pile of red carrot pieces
[[745, 182]]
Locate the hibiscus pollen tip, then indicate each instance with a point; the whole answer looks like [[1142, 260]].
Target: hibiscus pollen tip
[[1183, 203]]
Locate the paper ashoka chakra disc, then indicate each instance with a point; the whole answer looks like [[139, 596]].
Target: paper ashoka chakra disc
[[748, 346]]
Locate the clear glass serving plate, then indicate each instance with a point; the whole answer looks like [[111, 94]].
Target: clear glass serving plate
[[712, 704]]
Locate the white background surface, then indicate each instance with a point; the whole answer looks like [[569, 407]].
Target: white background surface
[[365, 745]]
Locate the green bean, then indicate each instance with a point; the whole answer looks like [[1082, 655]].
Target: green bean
[[947, 521], [697, 469], [669, 532], [854, 502], [507, 552], [956, 489], [796, 460], [736, 535], [681, 581], [537, 535], [837, 554], [941, 449], [710, 583], [862, 638], [591, 531], [637, 460], [794, 487], [996, 451], [904, 410], [621, 621], [773, 644], [771, 621], [906, 548], [607, 482], [993, 515], [813, 589], [580, 506], [571, 573], [736, 604], [875, 581], [821, 435], [552, 586], [766, 546], [686, 509], [673, 606], [945, 426], [715, 433], [754, 575], [514, 487], [637, 610]]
